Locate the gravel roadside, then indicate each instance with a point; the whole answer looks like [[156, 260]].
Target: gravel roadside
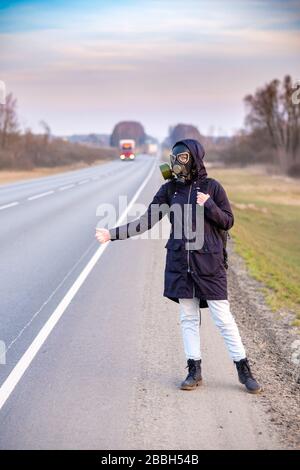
[[273, 346]]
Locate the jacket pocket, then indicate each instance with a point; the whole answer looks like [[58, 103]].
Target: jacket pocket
[[208, 261], [175, 256]]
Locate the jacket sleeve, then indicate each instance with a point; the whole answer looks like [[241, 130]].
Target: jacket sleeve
[[218, 210], [157, 209]]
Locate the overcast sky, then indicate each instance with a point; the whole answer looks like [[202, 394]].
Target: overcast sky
[[84, 65]]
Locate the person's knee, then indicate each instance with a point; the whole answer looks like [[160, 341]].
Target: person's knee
[[189, 319], [225, 320], [221, 314], [189, 316]]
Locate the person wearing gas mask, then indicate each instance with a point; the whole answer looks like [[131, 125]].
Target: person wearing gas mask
[[194, 278]]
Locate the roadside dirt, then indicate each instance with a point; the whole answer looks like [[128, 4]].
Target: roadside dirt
[[273, 346]]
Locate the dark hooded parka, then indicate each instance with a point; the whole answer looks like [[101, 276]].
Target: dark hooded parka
[[190, 272]]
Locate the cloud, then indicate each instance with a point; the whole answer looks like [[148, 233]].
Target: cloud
[[127, 58]]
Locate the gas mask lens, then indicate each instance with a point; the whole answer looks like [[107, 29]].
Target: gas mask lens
[[183, 157]]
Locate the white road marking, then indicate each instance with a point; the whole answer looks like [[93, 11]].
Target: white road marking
[[27, 325], [83, 182], [22, 365], [37, 196], [12, 204], [63, 188]]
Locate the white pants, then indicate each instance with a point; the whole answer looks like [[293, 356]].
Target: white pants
[[220, 312]]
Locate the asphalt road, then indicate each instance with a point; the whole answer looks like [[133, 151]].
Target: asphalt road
[[107, 375]]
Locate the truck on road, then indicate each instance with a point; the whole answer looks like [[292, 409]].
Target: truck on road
[[127, 147]]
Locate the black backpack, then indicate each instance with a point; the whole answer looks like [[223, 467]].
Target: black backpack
[[224, 233]]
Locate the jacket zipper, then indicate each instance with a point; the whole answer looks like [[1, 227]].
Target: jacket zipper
[[188, 220]]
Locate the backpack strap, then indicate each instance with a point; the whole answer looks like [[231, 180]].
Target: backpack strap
[[203, 185]]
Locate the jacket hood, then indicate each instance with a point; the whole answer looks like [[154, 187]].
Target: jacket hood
[[198, 153]]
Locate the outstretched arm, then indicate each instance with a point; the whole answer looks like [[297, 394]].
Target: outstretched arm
[[155, 212]]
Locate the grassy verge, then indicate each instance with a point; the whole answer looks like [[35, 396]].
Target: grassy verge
[[266, 232]]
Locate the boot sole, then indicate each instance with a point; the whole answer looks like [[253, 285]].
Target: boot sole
[[186, 387], [255, 392]]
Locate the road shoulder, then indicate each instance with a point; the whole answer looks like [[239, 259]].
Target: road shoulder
[[218, 415], [273, 347]]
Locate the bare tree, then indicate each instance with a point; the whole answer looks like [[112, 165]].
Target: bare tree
[[47, 132], [8, 120], [272, 108]]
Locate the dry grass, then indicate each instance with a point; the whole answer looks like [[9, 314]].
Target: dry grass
[[266, 231], [11, 176]]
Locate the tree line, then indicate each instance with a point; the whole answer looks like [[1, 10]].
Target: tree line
[[272, 128], [271, 135], [26, 150]]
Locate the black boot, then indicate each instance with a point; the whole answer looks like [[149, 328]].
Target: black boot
[[245, 376], [194, 377]]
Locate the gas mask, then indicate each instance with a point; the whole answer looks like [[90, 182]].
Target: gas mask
[[182, 166]]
